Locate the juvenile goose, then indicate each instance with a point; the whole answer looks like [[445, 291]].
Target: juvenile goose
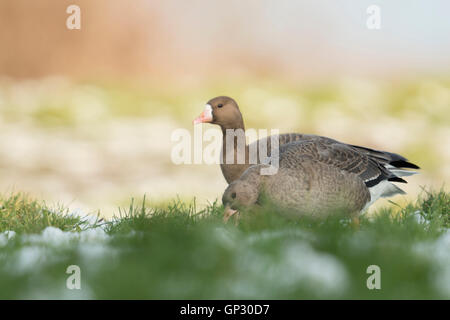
[[309, 188], [373, 166], [317, 177]]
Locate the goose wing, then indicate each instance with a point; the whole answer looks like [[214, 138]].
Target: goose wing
[[331, 152]]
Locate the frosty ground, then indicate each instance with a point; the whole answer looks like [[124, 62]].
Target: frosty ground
[[179, 252]]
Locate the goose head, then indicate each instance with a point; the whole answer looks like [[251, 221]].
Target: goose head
[[239, 195], [222, 111]]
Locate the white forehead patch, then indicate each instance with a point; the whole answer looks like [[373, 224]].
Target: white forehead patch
[[208, 110]]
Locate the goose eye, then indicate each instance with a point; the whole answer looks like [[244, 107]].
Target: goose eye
[[219, 105], [233, 195]]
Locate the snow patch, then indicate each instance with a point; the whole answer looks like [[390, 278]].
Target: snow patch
[[439, 252], [5, 237], [298, 267], [51, 245], [324, 273], [56, 237], [442, 255]]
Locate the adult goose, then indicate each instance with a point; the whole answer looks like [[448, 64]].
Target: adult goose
[[317, 177], [375, 169]]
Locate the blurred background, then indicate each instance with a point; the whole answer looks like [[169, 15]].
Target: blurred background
[[86, 115]]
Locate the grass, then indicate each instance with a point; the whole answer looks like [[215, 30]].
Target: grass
[[22, 214], [178, 252]]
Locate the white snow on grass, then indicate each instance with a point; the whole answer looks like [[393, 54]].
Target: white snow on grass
[[438, 251], [293, 266], [56, 237], [442, 255], [53, 245], [420, 218], [89, 220], [5, 237], [31, 259], [281, 234], [322, 272], [90, 247]]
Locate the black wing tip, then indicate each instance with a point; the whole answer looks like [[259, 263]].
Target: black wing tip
[[397, 179], [403, 164]]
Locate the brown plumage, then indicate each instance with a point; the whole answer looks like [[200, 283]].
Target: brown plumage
[[326, 163], [225, 113], [301, 188]]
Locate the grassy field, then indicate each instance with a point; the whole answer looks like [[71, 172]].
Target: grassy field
[[93, 145], [73, 141], [179, 252]]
